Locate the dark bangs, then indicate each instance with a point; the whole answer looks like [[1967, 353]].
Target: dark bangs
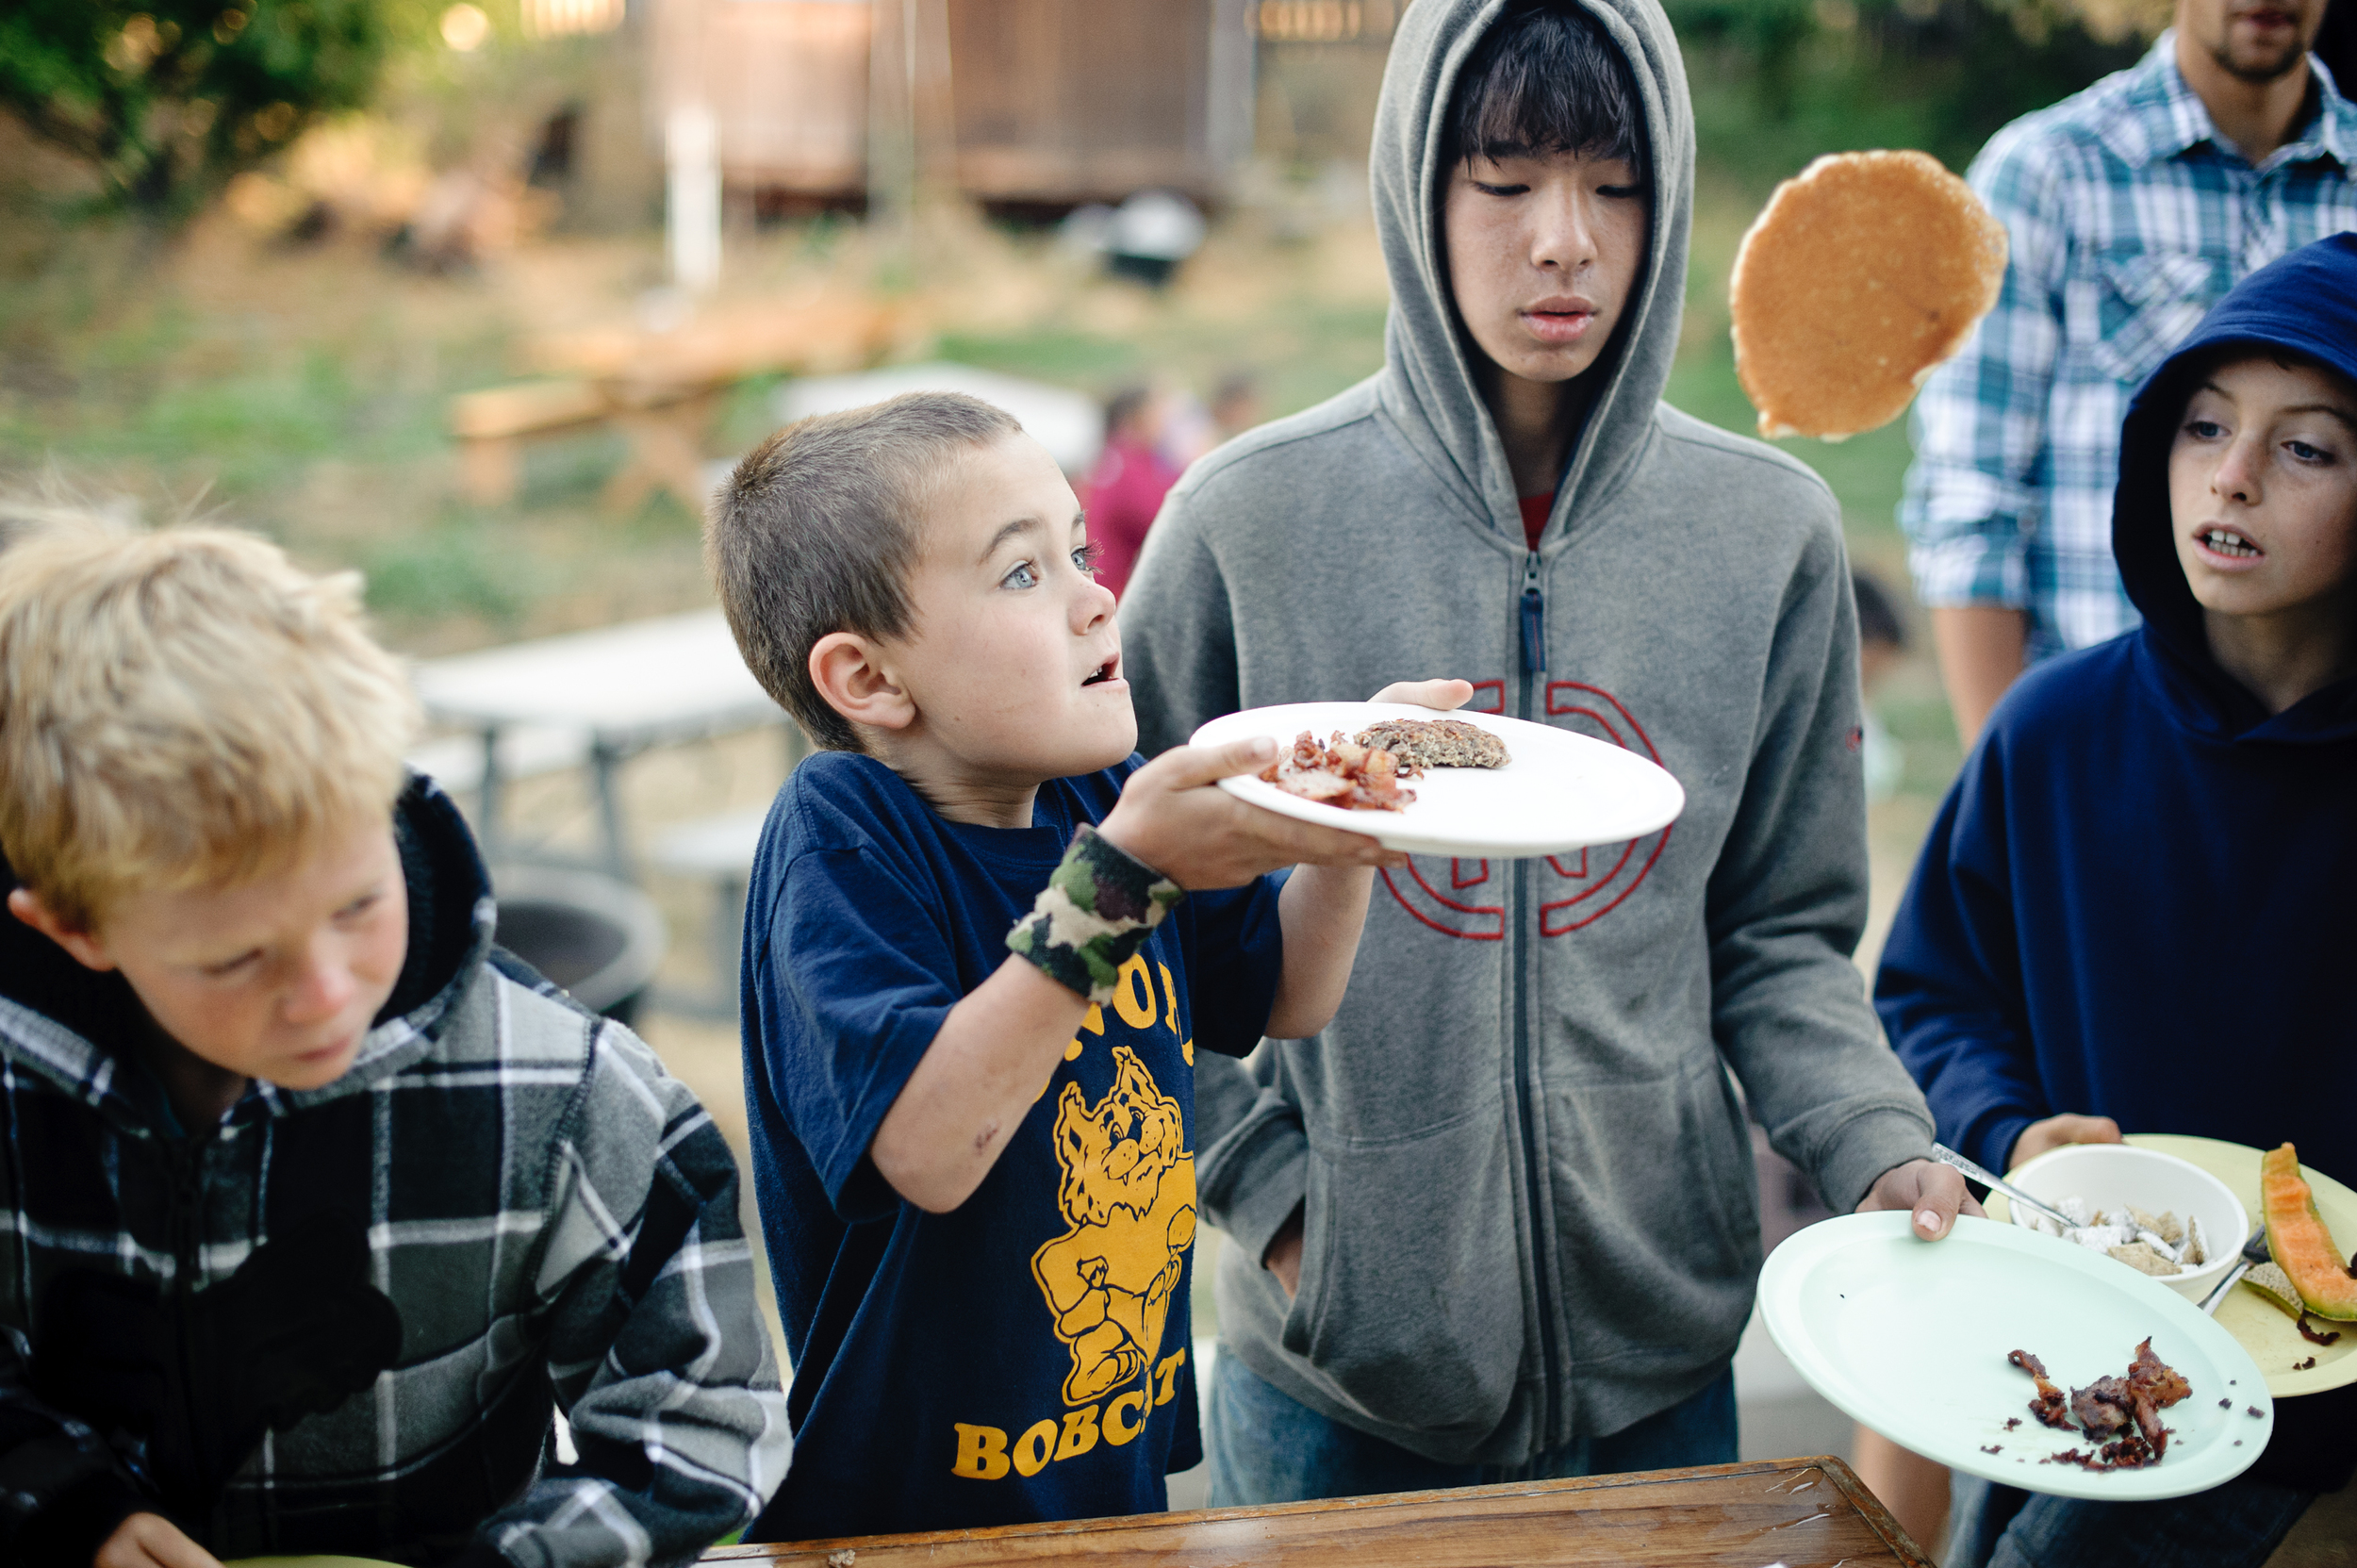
[[1545, 79], [2182, 378]]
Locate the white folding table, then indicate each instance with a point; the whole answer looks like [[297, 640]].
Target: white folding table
[[624, 688]]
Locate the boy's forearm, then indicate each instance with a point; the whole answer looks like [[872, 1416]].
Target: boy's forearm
[[979, 1077], [1321, 912]]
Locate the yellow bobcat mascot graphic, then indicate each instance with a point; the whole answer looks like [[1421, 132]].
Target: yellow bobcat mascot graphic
[[1128, 1194]]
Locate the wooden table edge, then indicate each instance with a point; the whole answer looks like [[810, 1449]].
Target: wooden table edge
[[1869, 1508]]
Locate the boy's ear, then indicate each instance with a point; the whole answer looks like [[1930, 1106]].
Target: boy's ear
[[849, 674], [85, 947]]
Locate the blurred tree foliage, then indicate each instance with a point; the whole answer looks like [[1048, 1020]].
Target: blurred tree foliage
[[167, 99], [1777, 82]]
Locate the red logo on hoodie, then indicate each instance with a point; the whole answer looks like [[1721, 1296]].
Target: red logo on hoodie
[[1600, 878]]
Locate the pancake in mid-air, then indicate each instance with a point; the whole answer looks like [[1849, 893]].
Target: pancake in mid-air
[[1860, 275]]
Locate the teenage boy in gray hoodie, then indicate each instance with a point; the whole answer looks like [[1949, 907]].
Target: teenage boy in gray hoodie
[[1499, 1219]]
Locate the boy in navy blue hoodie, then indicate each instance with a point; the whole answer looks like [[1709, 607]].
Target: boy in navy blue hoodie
[[973, 989], [2135, 908]]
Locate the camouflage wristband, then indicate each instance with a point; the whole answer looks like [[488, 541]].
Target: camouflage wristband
[[1096, 911]]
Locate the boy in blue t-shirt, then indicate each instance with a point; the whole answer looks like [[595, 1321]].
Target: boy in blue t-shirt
[[2134, 908], [973, 988]]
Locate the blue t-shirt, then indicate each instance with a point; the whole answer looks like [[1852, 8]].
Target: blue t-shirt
[[1024, 1357]]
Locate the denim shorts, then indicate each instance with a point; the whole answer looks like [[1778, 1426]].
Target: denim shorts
[[1264, 1446]]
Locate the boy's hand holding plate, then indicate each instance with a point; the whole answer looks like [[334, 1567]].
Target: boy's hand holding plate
[[1172, 819], [1202, 838]]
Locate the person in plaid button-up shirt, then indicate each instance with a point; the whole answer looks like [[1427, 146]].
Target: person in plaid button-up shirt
[[2133, 207]]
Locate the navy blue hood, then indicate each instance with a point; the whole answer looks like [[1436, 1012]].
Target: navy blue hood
[[2304, 304]]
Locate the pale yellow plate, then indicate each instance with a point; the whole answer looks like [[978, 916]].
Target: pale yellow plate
[[2261, 1327]]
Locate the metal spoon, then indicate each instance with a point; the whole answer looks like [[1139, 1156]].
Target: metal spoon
[[1990, 1179], [2254, 1251]]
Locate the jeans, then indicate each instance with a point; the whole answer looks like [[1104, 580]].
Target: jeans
[[2235, 1526], [1264, 1446]]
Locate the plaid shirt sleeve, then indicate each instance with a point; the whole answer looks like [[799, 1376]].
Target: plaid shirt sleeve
[[1981, 422], [655, 1341]]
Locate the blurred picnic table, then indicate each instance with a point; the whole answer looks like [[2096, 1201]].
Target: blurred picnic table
[[660, 385], [616, 691]]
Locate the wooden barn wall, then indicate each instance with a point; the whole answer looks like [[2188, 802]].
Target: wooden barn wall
[[1319, 71], [787, 82], [1051, 101], [1068, 100]]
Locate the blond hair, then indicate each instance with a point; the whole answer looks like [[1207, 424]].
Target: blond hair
[[182, 708]]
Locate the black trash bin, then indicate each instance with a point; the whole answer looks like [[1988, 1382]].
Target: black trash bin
[[598, 937]]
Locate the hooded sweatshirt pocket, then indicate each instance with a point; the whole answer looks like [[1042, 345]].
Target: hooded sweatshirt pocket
[[1419, 1326], [1656, 1175]]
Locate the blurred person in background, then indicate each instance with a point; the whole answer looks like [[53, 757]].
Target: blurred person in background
[[1236, 403], [1189, 429], [1882, 642], [2133, 207], [1126, 489]]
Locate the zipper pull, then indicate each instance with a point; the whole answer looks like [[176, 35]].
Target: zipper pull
[[1534, 617], [186, 1160]]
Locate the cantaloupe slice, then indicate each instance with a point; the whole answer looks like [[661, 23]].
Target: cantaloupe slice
[[2277, 1287], [2298, 1240]]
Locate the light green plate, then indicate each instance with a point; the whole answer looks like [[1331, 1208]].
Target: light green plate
[[1910, 1338]]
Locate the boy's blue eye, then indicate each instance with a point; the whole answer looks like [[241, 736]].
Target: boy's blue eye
[[2204, 430], [1023, 576], [2307, 453], [1085, 557]]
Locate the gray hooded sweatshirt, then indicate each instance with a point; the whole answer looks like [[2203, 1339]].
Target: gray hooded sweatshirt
[[1526, 1179]]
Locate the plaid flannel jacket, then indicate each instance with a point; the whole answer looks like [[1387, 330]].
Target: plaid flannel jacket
[[2130, 217], [553, 1218]]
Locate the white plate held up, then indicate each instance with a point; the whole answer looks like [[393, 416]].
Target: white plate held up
[[1561, 791]]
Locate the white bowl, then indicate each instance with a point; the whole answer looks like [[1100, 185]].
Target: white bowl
[[2111, 1176]]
